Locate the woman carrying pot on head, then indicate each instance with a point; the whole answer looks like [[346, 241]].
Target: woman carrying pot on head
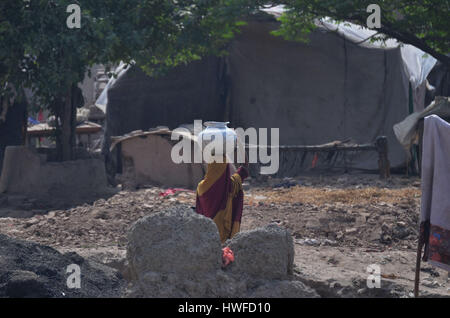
[[220, 195]]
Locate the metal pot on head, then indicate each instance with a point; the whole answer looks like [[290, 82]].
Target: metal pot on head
[[219, 138]]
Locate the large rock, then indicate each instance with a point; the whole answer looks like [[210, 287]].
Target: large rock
[[177, 253], [28, 269], [203, 285], [263, 253], [178, 241]]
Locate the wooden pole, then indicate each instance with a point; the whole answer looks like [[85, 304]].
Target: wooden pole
[[383, 161], [380, 145], [417, 278]]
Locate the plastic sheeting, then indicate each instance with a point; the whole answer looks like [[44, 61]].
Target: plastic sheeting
[[188, 92], [406, 130], [102, 100], [327, 89], [417, 63], [324, 90]]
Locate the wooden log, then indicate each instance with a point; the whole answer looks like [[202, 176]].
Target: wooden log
[[380, 145], [420, 127], [318, 148]]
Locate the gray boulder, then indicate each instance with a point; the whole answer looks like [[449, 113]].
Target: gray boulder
[[177, 253], [264, 253], [178, 241], [204, 285]]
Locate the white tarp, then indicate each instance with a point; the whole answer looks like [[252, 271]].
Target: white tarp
[[102, 100]]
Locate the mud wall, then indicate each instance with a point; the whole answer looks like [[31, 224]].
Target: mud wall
[[147, 160], [28, 173]]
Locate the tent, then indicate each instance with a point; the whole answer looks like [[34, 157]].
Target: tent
[[335, 87]]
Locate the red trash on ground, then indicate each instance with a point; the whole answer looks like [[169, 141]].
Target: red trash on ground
[[227, 256]]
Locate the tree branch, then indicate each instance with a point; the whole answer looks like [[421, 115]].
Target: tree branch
[[413, 40], [406, 38]]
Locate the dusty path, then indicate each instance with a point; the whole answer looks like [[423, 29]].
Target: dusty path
[[342, 272], [341, 224]]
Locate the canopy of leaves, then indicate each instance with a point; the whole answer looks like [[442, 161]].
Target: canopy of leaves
[[38, 50]]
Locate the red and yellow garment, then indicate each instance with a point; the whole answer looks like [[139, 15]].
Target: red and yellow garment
[[220, 197]]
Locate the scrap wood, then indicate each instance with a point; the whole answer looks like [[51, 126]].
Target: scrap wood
[[138, 133], [44, 129], [160, 130], [389, 276]]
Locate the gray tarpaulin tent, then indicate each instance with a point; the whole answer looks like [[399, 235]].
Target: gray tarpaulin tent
[[330, 88]]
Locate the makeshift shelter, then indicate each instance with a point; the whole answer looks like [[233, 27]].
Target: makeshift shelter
[[138, 149], [335, 87]]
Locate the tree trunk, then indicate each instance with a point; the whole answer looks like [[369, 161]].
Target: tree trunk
[[12, 132], [65, 110], [68, 123]]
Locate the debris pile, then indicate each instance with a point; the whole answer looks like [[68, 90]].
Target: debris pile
[[32, 270]]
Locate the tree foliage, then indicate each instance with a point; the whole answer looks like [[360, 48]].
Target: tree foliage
[[39, 51]]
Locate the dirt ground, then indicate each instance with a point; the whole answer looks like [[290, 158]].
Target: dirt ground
[[341, 224]]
